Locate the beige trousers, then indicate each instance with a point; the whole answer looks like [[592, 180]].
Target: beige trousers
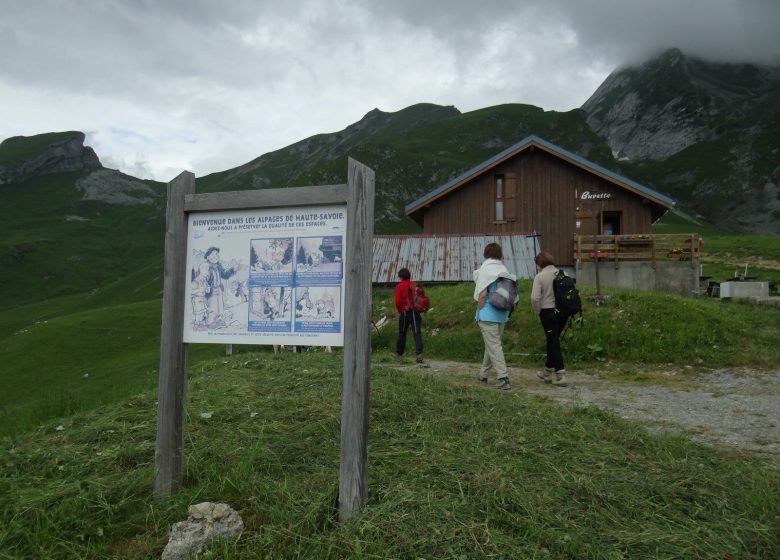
[[494, 353]]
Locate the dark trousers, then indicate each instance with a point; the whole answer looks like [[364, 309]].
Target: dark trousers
[[553, 325], [405, 320]]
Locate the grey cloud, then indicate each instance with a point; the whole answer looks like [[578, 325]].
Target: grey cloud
[[621, 30], [205, 81]]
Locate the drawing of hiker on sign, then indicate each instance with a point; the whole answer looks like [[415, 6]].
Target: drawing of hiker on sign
[[208, 290]]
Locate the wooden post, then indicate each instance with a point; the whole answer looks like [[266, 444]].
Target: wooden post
[[596, 248], [169, 449], [353, 469]]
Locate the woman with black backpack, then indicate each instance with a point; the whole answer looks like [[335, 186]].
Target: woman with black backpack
[[543, 302]]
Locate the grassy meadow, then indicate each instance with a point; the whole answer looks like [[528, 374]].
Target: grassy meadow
[[454, 472], [82, 353]]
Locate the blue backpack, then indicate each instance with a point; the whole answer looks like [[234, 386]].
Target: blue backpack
[[505, 296]]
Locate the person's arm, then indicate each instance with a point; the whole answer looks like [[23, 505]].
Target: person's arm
[[536, 295], [482, 297]]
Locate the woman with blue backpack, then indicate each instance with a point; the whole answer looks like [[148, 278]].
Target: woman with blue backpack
[[490, 316]]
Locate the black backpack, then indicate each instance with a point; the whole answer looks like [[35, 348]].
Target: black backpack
[[567, 297]]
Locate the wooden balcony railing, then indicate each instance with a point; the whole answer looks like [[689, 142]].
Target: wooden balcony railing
[[638, 247]]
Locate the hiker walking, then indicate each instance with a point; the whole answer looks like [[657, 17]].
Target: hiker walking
[[543, 303], [407, 316], [491, 321]]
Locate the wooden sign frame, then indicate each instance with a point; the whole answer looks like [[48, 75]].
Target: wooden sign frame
[[358, 194]]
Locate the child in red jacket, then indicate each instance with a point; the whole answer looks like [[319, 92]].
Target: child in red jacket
[[407, 317]]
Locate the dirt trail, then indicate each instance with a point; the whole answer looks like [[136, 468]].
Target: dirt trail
[[733, 408]]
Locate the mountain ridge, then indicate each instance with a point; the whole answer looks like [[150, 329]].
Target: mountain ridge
[[704, 133], [22, 157], [707, 133]]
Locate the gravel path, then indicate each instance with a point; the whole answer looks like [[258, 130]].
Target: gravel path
[[732, 408]]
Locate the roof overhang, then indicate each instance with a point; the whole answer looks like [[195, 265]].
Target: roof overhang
[[414, 209]]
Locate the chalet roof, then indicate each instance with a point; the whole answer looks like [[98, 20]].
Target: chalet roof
[[448, 258], [524, 144]]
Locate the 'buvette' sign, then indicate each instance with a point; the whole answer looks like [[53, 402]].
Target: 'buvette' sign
[[587, 195]]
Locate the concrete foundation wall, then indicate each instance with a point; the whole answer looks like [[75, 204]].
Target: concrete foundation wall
[[673, 277]]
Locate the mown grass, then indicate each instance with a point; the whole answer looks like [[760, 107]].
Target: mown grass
[[454, 472]]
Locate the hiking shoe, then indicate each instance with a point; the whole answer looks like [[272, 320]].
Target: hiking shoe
[[419, 358], [480, 379], [503, 384], [545, 375], [560, 378]]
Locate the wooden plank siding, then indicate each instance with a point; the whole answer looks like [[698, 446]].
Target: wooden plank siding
[[546, 191], [447, 258]]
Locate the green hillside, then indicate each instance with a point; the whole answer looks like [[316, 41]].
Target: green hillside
[[412, 151], [54, 243]]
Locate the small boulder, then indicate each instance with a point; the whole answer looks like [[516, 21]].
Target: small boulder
[[206, 521]]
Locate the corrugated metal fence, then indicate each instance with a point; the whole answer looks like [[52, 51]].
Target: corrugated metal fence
[[448, 258]]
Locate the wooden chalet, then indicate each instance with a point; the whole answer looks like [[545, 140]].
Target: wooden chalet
[[536, 186]]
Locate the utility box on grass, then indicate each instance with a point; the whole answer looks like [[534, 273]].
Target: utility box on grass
[[742, 289]]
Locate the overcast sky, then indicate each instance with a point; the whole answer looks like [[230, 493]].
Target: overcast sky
[[160, 86]]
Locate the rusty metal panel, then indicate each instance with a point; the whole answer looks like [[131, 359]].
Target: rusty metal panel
[[466, 257], [384, 261], [447, 258], [436, 254], [452, 262], [411, 257], [476, 248]]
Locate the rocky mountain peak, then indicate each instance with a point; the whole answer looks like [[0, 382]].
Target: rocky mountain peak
[[703, 131], [25, 157]]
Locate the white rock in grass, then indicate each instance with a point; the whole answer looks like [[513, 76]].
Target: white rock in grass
[[60, 428], [206, 415], [206, 522], [252, 414]]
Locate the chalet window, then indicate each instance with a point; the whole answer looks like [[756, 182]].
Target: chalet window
[[504, 197], [499, 198]]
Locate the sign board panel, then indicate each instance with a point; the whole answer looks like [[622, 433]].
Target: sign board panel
[[266, 276]]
